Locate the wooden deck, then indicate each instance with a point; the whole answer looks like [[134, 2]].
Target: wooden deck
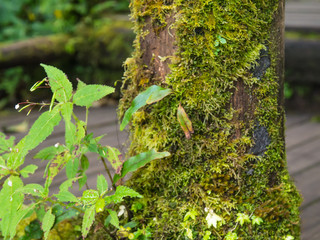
[[303, 154], [302, 15]]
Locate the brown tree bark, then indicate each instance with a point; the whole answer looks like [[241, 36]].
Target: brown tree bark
[[224, 62]]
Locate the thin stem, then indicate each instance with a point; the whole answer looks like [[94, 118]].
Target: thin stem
[[108, 171]]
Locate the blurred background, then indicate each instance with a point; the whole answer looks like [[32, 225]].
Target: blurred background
[[90, 39]]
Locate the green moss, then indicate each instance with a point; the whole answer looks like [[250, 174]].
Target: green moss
[[214, 169]]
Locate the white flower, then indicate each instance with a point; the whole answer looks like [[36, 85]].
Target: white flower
[[17, 106], [213, 219], [155, 219], [56, 145], [10, 183]]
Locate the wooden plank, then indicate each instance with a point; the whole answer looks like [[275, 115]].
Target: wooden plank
[[299, 15], [303, 158], [310, 222], [301, 135], [308, 184], [294, 119]]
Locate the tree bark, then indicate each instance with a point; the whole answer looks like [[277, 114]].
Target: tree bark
[[224, 62]]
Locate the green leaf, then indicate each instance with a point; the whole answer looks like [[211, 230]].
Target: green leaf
[[82, 180], [256, 220], [42, 128], [102, 184], [64, 187], [10, 203], [231, 236], [89, 197], [66, 197], [88, 94], [49, 153], [30, 169], [84, 162], [87, 221], [114, 156], [70, 128], [185, 122], [121, 192], [32, 231], [55, 167], [59, 83], [100, 204], [80, 84], [150, 95], [39, 131], [158, 95], [32, 189], [47, 222], [6, 143], [62, 213], [135, 162], [114, 218], [72, 168], [242, 218]]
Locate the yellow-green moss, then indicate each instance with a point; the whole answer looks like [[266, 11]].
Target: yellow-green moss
[[213, 169]]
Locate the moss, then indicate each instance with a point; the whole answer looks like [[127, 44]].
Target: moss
[[214, 169]]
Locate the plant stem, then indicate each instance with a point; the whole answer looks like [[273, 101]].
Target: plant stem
[[108, 171]]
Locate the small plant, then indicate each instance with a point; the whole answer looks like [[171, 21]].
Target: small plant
[[98, 204]]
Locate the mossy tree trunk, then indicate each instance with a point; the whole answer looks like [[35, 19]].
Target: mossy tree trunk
[[224, 62]]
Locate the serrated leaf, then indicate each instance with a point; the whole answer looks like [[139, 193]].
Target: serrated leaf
[[114, 156], [72, 168], [151, 95], [88, 94], [32, 189], [39, 131], [59, 83], [55, 167], [242, 218], [100, 204], [42, 128], [102, 184], [10, 203], [87, 221], [120, 193], [89, 197], [6, 143], [114, 218], [49, 153], [80, 84], [213, 219], [66, 197], [47, 222], [20, 215], [256, 220], [30, 169], [67, 184], [70, 128], [82, 180], [185, 122], [231, 236], [135, 162]]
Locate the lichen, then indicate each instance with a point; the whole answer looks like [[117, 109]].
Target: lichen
[[214, 169]]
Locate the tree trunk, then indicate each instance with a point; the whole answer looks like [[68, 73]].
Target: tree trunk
[[224, 62]]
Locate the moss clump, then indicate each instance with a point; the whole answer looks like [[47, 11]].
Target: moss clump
[[220, 45]]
